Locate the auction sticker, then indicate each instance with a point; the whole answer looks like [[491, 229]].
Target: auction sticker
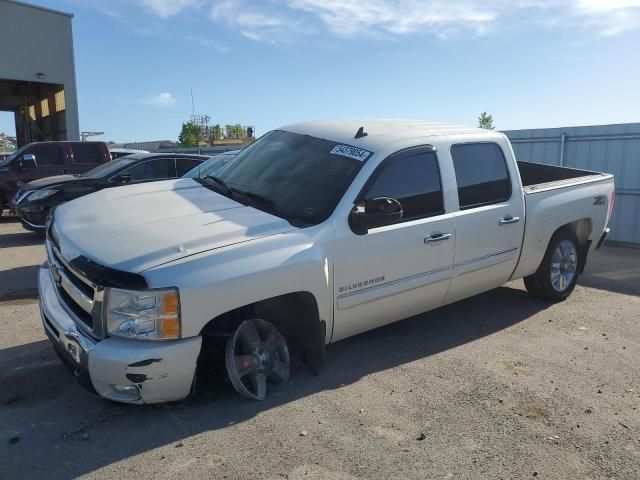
[[351, 152]]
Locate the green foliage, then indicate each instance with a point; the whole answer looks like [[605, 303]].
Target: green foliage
[[190, 135], [236, 131], [486, 121], [217, 132]]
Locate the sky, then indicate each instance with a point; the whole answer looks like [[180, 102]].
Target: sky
[[266, 63]]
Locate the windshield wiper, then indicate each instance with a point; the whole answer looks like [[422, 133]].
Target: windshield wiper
[[256, 197], [218, 184]]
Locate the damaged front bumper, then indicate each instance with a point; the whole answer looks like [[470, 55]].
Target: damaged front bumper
[[130, 371]]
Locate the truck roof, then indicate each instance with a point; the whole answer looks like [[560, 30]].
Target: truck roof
[[379, 131]]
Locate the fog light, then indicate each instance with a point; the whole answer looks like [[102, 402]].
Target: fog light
[[125, 393]]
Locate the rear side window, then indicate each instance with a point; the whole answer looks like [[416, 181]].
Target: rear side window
[[155, 169], [86, 153], [413, 178], [183, 165], [46, 154], [481, 174]]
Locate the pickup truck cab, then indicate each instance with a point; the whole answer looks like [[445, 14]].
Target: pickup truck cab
[[314, 233], [46, 159]]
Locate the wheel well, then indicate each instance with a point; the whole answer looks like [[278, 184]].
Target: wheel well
[[582, 230], [295, 315]]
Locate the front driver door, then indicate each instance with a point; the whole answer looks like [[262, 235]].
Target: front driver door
[[399, 270]]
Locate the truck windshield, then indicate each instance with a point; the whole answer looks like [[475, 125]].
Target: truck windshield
[[301, 177], [210, 167]]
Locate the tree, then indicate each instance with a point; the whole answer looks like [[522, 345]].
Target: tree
[[217, 132], [485, 121], [190, 135]]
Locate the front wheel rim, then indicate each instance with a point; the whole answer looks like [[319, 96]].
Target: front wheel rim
[[256, 357], [564, 262]]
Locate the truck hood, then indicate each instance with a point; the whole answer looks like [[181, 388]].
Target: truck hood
[[134, 228]]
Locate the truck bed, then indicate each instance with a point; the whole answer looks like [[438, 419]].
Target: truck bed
[[536, 177]]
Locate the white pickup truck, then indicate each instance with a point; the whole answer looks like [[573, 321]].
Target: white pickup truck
[[316, 232]]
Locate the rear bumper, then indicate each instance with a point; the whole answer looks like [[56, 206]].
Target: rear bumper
[[123, 370], [603, 238]]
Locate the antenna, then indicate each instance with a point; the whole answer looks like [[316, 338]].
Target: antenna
[[361, 133], [193, 108]]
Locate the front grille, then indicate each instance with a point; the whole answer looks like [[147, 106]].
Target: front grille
[[81, 298]]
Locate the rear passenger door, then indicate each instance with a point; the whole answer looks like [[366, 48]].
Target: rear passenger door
[[399, 270], [490, 218]]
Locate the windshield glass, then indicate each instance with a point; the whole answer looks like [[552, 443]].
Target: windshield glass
[[210, 167], [107, 169], [298, 174], [15, 154]]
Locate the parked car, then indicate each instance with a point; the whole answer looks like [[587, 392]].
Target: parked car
[[34, 200], [4, 155], [212, 165], [44, 159], [314, 233], [123, 152]]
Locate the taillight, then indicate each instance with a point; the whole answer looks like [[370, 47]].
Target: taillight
[[612, 202]]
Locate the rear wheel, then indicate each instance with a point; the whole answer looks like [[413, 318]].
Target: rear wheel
[[257, 359], [557, 275]]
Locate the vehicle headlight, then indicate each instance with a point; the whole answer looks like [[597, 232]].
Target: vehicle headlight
[[41, 195], [144, 315]]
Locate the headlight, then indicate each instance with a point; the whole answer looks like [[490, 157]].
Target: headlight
[[41, 195], [146, 315]]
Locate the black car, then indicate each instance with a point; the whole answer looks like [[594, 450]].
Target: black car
[[34, 200]]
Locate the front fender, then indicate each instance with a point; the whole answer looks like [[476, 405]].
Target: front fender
[[216, 282]]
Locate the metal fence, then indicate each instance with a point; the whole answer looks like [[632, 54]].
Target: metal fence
[[606, 148]]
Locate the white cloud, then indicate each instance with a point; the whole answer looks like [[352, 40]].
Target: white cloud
[[164, 99], [169, 8], [278, 20]]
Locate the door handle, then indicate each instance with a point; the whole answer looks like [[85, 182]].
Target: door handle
[[438, 237], [509, 220]]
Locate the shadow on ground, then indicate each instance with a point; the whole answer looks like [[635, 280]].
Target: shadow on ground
[[32, 381], [612, 268], [20, 283]]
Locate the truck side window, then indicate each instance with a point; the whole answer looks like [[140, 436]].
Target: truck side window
[[413, 178], [481, 174], [86, 153], [46, 154]]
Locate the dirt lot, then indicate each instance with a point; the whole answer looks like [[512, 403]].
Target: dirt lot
[[497, 386]]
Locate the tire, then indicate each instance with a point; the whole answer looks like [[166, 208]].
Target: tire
[[558, 273]]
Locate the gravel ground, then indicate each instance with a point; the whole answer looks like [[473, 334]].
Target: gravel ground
[[497, 386]]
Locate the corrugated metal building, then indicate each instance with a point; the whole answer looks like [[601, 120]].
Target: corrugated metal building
[[607, 148], [37, 72]]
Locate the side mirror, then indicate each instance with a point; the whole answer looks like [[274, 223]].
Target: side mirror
[[28, 162], [123, 178], [376, 212]]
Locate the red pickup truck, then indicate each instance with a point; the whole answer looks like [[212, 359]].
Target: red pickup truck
[[46, 159]]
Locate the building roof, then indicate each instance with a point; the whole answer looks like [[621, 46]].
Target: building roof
[[379, 131], [38, 7]]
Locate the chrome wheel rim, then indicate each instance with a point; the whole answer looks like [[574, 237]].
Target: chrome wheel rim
[[564, 264], [257, 359]]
